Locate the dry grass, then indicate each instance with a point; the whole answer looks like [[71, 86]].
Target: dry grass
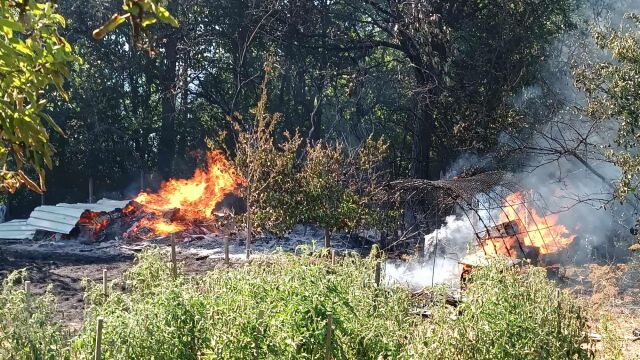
[[612, 293]]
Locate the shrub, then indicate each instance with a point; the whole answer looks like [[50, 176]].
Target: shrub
[[276, 309], [28, 329], [511, 313]]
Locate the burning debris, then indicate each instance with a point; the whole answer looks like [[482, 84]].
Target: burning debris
[[522, 234], [186, 205]]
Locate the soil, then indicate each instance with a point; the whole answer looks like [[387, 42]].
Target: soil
[[65, 274]]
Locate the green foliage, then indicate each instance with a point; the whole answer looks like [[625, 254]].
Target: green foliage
[[33, 58], [140, 14], [340, 188], [277, 308], [613, 91], [510, 313], [289, 183], [28, 328], [271, 310]]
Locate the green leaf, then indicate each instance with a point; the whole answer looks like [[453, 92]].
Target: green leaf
[[166, 17], [13, 25]]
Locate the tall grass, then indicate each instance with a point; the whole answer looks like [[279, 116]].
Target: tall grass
[[277, 309]]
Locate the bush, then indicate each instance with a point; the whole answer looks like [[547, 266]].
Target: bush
[[277, 309], [511, 313], [28, 329]]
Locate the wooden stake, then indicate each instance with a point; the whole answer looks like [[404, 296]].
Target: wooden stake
[[249, 225], [98, 353], [104, 282], [377, 274], [27, 287], [174, 265], [226, 250], [328, 335], [333, 257]]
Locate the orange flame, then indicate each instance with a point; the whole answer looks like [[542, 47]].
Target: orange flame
[[529, 229], [195, 198]]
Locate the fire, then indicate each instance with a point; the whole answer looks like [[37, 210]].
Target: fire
[[193, 199], [527, 229]]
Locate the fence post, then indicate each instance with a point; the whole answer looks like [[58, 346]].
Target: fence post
[[226, 250], [104, 282], [328, 336], [377, 273], [333, 257], [27, 287], [91, 190], [174, 265], [98, 353]]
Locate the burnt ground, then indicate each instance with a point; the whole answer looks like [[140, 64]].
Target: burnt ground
[[66, 272]]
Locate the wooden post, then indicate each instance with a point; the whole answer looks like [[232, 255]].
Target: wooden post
[[27, 287], [98, 351], [333, 257], [174, 265], [377, 273], [327, 237], [328, 335], [249, 225], [104, 282], [91, 190], [226, 250]]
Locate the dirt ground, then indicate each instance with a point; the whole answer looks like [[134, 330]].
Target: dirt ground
[[65, 275]]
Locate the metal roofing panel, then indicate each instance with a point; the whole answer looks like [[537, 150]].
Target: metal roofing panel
[[17, 230], [63, 217], [117, 204], [90, 207]]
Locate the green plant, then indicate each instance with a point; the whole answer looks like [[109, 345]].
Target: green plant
[[28, 328], [510, 313]]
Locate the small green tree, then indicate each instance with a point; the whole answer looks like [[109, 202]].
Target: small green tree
[[268, 168], [340, 187]]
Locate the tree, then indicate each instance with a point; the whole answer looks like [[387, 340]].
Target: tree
[[34, 58], [613, 91]]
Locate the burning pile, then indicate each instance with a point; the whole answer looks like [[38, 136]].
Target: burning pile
[[186, 203], [521, 234], [522, 230]]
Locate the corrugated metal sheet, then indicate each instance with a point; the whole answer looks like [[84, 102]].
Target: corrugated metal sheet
[[57, 219], [117, 204], [63, 217], [17, 230]]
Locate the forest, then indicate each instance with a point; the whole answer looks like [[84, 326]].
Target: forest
[[320, 179]]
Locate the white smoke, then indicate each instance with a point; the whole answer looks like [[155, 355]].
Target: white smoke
[[443, 248]]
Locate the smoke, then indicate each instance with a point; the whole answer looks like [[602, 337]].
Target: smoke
[[443, 248], [566, 160], [562, 160]]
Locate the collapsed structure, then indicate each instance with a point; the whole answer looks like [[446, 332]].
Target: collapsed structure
[[505, 218], [65, 219]]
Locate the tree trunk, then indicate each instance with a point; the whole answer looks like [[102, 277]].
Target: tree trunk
[[422, 143], [167, 141]]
